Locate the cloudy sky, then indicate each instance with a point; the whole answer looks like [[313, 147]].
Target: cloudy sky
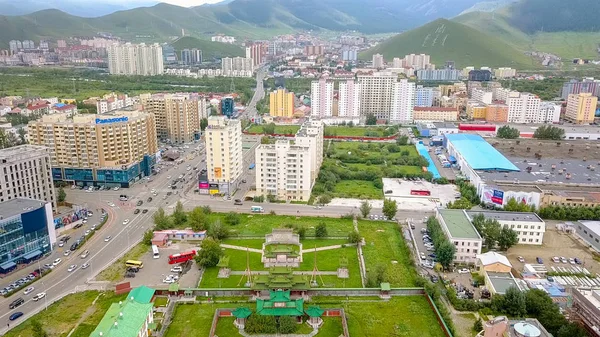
[[183, 3]]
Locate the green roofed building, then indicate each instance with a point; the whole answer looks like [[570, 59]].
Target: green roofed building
[[280, 304], [280, 278], [142, 294], [458, 228]]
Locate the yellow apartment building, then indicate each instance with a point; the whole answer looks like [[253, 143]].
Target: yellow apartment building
[[281, 103], [581, 108]]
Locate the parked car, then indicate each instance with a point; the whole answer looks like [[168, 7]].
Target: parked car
[[571, 260], [423, 257], [578, 261], [434, 279], [177, 269], [555, 259], [463, 271], [563, 259], [539, 260], [521, 259]]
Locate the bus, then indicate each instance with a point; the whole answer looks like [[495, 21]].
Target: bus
[[155, 252], [134, 264], [182, 257]]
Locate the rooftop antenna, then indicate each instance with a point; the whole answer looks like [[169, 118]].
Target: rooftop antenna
[[313, 279], [248, 272]]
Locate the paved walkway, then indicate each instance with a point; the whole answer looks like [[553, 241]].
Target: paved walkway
[[253, 250], [361, 259], [263, 272], [312, 250]]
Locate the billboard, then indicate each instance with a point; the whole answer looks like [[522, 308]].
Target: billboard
[[111, 120], [499, 197], [218, 172], [494, 196], [203, 185]]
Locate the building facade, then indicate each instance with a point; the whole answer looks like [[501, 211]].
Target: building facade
[[112, 101], [26, 231], [549, 113], [321, 98], [457, 227], [438, 74], [255, 52], [589, 231], [135, 59], [281, 103], [314, 50], [581, 108], [378, 61], [403, 101], [224, 157], [484, 96], [417, 62], [435, 114], [476, 109], [424, 96], [480, 75], [349, 99], [111, 149], [587, 85], [376, 94], [523, 107], [497, 112], [237, 66], [191, 56], [529, 226], [586, 309], [350, 54], [177, 116], [502, 73], [26, 172]]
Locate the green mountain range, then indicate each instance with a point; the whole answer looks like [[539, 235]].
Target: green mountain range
[[209, 49], [447, 40]]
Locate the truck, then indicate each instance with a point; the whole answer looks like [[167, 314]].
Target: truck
[[257, 209]]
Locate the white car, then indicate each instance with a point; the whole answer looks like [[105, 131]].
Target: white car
[[168, 177], [84, 221], [111, 204], [85, 265], [116, 188], [87, 232], [463, 271], [173, 277], [555, 259], [571, 260], [61, 243], [168, 280], [563, 259], [153, 191], [423, 257], [72, 267], [67, 252], [521, 259], [39, 296], [57, 261], [107, 238], [177, 269], [28, 291], [125, 222]]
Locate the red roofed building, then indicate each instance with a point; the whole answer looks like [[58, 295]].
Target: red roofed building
[[38, 108], [69, 109]]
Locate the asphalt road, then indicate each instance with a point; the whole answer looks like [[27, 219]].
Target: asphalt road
[[259, 94]]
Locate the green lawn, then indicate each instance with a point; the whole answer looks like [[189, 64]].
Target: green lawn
[[62, 316], [359, 189], [332, 327], [194, 319], [279, 129], [374, 131], [306, 243], [225, 327], [400, 316], [257, 225], [384, 244], [116, 271]]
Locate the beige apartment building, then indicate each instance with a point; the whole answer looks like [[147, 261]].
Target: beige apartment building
[[288, 170], [281, 103], [376, 94], [135, 59], [25, 172], [117, 148], [177, 115], [224, 157], [497, 112], [435, 114], [581, 108]]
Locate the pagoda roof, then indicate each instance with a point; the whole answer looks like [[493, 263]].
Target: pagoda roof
[[241, 312], [314, 311], [280, 304]]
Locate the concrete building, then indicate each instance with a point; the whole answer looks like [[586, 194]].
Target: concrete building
[[482, 95], [177, 115], [281, 103], [458, 229], [255, 52], [110, 149], [571, 198], [529, 226], [288, 171], [27, 231], [237, 66], [476, 109], [438, 74], [589, 231], [135, 59], [350, 54], [497, 272], [581, 108], [424, 96], [132, 317], [497, 113], [417, 62], [349, 99], [480, 75], [25, 172], [321, 98], [549, 113], [111, 102], [397, 62], [587, 85], [501, 94], [586, 309], [191, 56], [501, 326], [523, 108], [314, 50], [435, 114], [403, 101], [224, 157], [378, 61], [376, 94], [502, 73]]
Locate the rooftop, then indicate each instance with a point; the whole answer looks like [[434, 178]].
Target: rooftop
[[440, 125], [502, 281], [458, 224], [124, 319], [493, 257], [507, 216], [16, 152], [547, 149], [418, 108], [142, 294], [479, 154], [593, 226], [18, 206]]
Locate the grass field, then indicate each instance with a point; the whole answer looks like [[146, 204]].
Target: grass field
[[194, 319], [359, 189], [279, 129], [344, 131], [62, 316], [306, 243], [116, 271], [384, 244], [330, 261]]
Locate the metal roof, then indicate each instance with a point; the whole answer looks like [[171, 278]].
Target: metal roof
[[458, 224], [479, 154]]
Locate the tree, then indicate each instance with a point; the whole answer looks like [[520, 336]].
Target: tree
[[210, 253], [462, 203], [354, 237], [179, 216], [22, 133], [38, 330], [324, 199], [390, 208], [287, 325], [478, 326], [259, 324], [365, 208], [376, 276], [197, 219], [203, 123], [269, 129], [321, 230], [265, 140], [491, 232], [161, 220], [512, 205], [402, 140], [232, 218], [62, 195], [371, 119], [218, 231], [206, 209], [549, 132], [301, 231], [507, 132], [148, 235], [507, 238], [571, 330], [514, 302], [445, 253]]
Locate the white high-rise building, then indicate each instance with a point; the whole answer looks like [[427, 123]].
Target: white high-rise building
[[501, 73], [349, 99], [378, 61], [254, 52], [501, 94], [321, 98], [25, 172], [403, 101], [288, 171], [376, 94], [417, 62], [224, 157], [549, 113], [424, 96], [237, 66], [135, 59], [523, 108], [482, 95], [397, 62]]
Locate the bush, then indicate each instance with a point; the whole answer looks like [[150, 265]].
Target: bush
[[257, 324], [260, 198], [232, 218], [301, 230], [321, 230], [287, 325], [354, 237]]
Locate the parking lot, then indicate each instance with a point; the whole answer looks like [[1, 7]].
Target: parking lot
[[155, 270]]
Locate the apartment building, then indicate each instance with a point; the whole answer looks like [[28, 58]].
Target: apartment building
[[237, 66], [403, 101], [397, 62], [424, 96], [314, 50], [223, 39], [502, 73], [501, 94], [458, 228], [255, 52], [135, 59], [438, 74], [587, 85], [288, 170], [112, 149], [417, 62], [177, 115], [350, 54], [476, 109], [321, 98], [482, 95], [581, 108], [281, 103], [523, 107], [529, 226], [191, 56], [111, 102], [497, 112], [224, 157], [435, 114], [549, 113], [349, 99], [586, 309], [26, 172], [378, 61], [376, 94]]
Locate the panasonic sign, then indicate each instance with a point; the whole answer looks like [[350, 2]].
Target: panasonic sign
[[111, 120]]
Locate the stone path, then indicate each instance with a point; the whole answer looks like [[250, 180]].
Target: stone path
[[304, 251], [361, 259], [253, 250]]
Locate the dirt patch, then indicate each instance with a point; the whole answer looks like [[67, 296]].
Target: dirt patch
[[527, 148], [555, 244], [463, 323]]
